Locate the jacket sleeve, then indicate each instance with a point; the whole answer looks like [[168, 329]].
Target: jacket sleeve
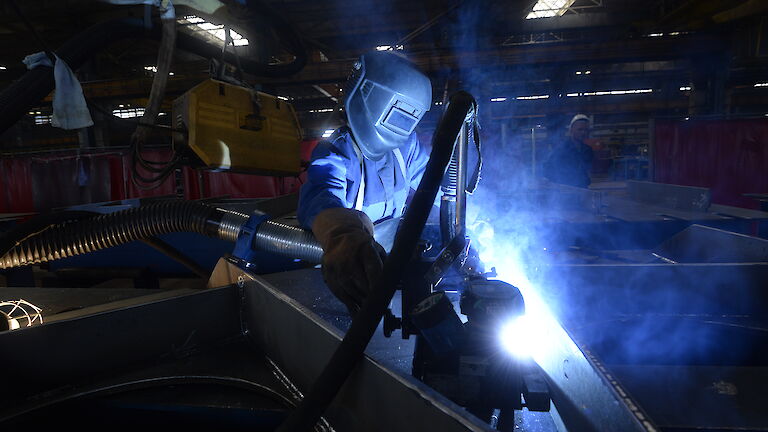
[[418, 156], [326, 185]]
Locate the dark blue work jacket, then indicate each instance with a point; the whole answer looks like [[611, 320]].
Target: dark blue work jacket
[[338, 170]]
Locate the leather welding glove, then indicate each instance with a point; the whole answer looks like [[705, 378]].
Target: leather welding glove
[[352, 260]]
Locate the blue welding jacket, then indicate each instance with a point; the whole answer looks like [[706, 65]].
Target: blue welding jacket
[[334, 177]]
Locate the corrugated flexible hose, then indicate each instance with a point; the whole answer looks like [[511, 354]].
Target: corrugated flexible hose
[[287, 240], [113, 229], [108, 230]]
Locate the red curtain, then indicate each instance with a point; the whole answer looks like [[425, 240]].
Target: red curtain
[[17, 180], [728, 156], [16, 186]]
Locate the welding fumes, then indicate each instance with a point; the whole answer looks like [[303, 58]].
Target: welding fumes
[[534, 334], [460, 313]]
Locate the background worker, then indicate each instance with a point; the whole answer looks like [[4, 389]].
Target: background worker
[[571, 160]]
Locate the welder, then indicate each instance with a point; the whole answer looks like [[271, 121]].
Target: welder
[[364, 173], [571, 159]]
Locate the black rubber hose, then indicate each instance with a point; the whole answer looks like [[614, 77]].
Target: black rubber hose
[[447, 219], [352, 347], [113, 229], [35, 406]]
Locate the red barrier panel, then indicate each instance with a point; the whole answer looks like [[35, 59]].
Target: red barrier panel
[[728, 156], [16, 186], [18, 179]]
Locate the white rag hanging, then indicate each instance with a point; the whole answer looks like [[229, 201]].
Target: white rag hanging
[[69, 108]]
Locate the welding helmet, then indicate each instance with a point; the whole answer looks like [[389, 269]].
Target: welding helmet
[[386, 98]]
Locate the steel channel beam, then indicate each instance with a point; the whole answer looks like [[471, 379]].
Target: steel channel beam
[[64, 354], [689, 198], [703, 244], [374, 398], [585, 397]]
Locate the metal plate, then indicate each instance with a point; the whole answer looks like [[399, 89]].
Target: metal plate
[[373, 398], [67, 353], [688, 198], [584, 398], [700, 244], [699, 397]]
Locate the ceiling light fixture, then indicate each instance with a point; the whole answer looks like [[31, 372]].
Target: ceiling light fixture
[[389, 47], [532, 97], [610, 92]]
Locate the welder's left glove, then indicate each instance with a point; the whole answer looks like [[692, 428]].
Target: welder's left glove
[[352, 260]]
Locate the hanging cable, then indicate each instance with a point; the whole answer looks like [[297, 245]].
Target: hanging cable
[[159, 171]]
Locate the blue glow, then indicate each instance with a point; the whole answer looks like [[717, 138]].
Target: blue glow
[[535, 334], [515, 337]]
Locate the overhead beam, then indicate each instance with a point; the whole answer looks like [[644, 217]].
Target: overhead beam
[[635, 50]]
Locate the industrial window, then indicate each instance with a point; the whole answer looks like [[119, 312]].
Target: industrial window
[[43, 119], [549, 8], [209, 31], [40, 118], [153, 69], [126, 112], [389, 47]]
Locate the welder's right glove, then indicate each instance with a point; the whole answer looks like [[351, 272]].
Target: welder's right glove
[[352, 260]]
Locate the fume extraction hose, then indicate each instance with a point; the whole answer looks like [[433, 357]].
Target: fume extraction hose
[[82, 236], [352, 347]]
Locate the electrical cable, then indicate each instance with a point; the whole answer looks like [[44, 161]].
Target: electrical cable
[[146, 383], [160, 171], [177, 256]]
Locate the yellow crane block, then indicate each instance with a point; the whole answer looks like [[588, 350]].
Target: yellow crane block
[[233, 128]]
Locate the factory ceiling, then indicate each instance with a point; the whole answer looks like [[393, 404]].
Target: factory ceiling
[[488, 43]]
